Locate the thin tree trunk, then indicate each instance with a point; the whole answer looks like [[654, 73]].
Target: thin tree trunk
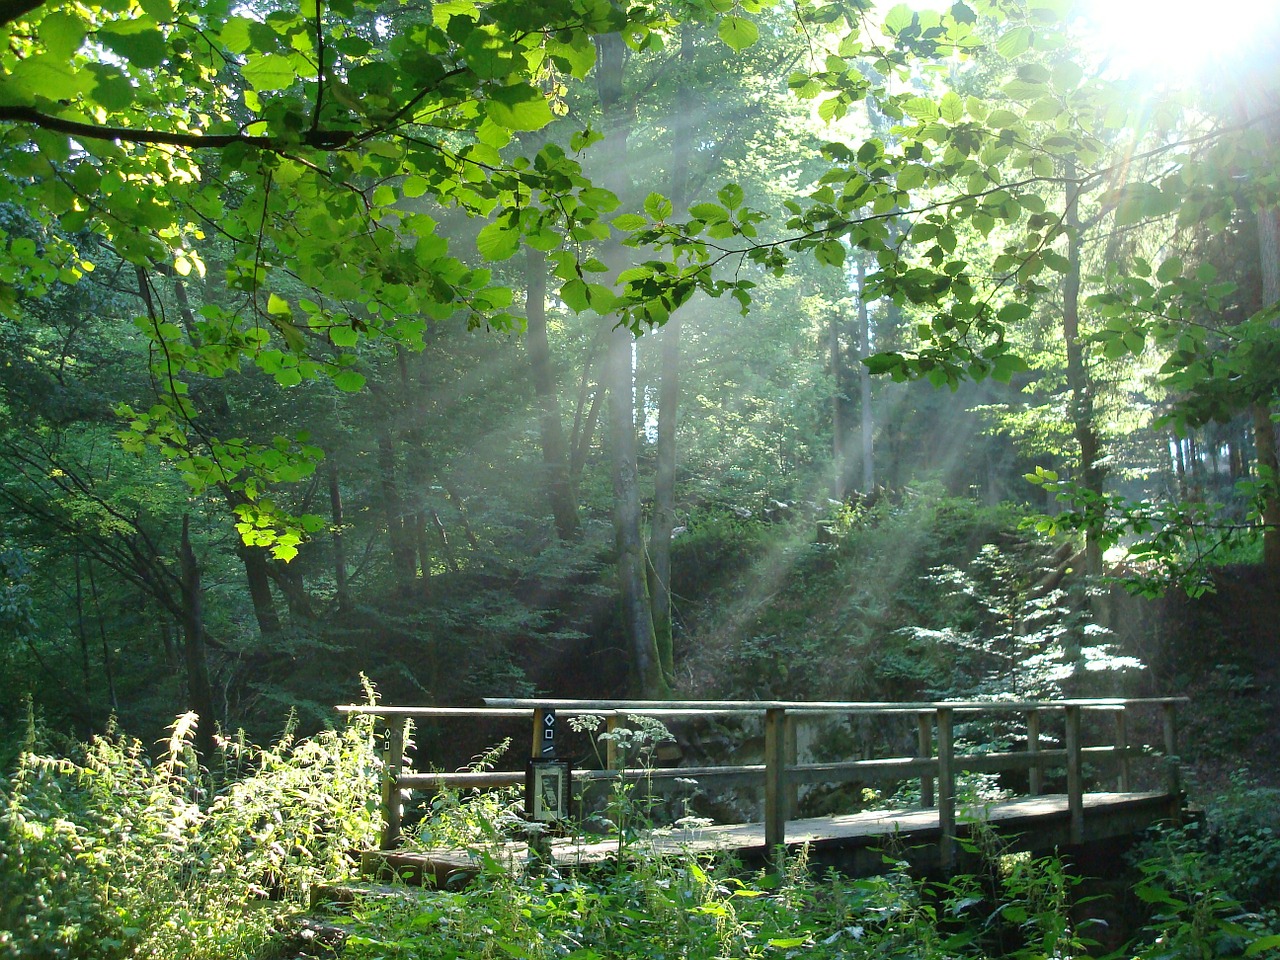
[[398, 535], [417, 468], [107, 671], [339, 548], [555, 455], [585, 429], [864, 385], [199, 689], [839, 454], [83, 634]]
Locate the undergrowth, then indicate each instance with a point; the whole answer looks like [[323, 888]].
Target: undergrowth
[[118, 853]]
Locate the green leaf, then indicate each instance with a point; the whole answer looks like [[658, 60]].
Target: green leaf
[[830, 252], [737, 32], [1015, 42], [574, 294], [348, 381], [518, 107], [343, 336], [951, 109], [630, 221], [911, 177], [1170, 270], [139, 41], [1066, 75], [1005, 366], [657, 206], [270, 71], [62, 34], [498, 241], [1271, 942], [898, 19], [730, 195], [44, 76]]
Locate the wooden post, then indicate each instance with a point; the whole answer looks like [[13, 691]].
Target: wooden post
[[775, 794], [1173, 774], [1122, 746], [613, 757], [1035, 776], [946, 788], [535, 749], [1075, 781], [791, 748], [393, 762], [924, 742]]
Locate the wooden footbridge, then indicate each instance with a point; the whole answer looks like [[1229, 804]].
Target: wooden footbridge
[[1071, 772]]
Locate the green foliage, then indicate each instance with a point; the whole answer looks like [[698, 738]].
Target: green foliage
[[1014, 906], [1233, 850], [114, 853]]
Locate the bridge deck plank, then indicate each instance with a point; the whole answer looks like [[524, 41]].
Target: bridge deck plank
[[1042, 819]]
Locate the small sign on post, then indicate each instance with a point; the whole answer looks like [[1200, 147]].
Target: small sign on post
[[546, 790], [548, 745], [547, 780]]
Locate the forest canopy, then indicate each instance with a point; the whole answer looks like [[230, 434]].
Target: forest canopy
[[320, 321]]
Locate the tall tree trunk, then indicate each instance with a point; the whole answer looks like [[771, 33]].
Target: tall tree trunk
[[1079, 386], [417, 467], [403, 560], [867, 430], [199, 689], [255, 571], [1263, 426], [618, 376], [663, 520], [555, 452], [341, 585], [839, 431]]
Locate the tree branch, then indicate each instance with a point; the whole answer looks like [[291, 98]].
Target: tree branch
[[319, 139]]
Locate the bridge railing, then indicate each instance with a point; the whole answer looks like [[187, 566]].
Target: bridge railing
[[936, 764]]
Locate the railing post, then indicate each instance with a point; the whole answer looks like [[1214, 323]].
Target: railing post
[[535, 749], [1173, 774], [1122, 748], [791, 748], [775, 794], [393, 763], [946, 788], [1035, 775], [924, 747], [1075, 775], [613, 757]]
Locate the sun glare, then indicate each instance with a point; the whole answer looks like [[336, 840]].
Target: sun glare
[[1177, 38]]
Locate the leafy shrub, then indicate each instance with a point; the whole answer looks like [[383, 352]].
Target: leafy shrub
[[1234, 849], [112, 854]]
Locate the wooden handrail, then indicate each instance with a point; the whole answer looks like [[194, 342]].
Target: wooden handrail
[[780, 773]]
